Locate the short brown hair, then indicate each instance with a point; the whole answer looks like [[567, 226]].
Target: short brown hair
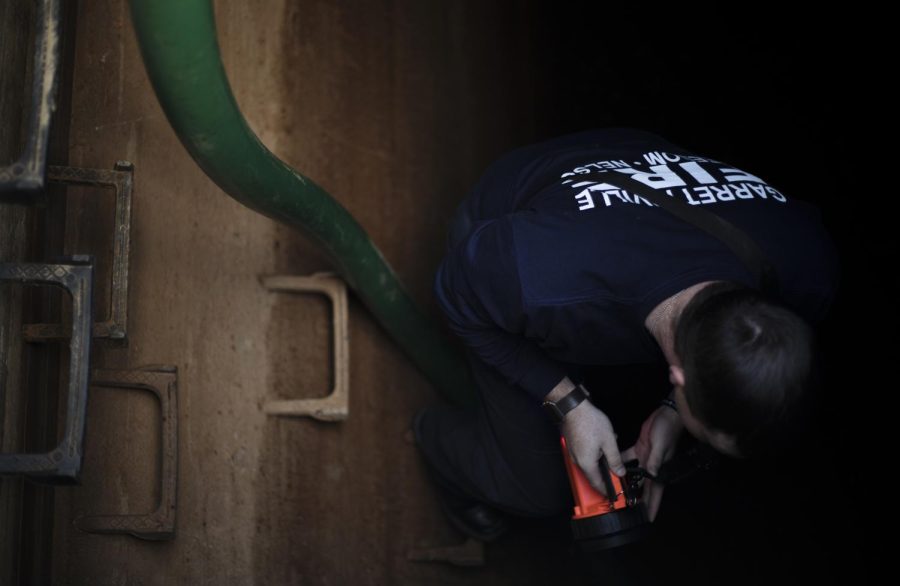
[[747, 362]]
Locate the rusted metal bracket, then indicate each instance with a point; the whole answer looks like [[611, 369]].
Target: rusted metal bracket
[[468, 554], [63, 463], [121, 178], [26, 174], [162, 381], [334, 407]]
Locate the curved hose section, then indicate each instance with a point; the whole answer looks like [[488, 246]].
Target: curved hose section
[[181, 53]]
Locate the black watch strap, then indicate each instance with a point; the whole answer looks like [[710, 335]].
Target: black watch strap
[[557, 410]]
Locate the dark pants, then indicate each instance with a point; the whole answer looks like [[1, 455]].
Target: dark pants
[[505, 452]]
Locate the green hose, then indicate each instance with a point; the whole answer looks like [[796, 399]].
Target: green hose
[[178, 43]]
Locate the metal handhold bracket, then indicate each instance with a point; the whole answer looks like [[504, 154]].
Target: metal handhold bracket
[[121, 178], [63, 463], [469, 554], [334, 407], [162, 381], [27, 173]]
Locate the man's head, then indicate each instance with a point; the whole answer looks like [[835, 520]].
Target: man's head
[[745, 364]]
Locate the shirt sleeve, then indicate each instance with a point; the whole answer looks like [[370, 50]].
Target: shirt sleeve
[[478, 287]]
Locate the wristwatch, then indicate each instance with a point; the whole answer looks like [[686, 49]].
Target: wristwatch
[[557, 410]]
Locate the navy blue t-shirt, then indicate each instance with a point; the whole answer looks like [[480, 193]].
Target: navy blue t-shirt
[[559, 269]]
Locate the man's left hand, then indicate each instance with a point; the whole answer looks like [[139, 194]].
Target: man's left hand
[[656, 445]]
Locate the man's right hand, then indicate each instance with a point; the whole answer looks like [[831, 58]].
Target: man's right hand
[[589, 435]]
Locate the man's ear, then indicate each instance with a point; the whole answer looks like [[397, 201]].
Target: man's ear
[[676, 376]]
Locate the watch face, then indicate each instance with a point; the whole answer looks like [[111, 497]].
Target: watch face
[[553, 411]]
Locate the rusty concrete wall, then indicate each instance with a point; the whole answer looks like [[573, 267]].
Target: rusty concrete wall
[[30, 230], [15, 37], [394, 107]]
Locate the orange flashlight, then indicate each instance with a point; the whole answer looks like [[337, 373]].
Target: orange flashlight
[[600, 522]]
